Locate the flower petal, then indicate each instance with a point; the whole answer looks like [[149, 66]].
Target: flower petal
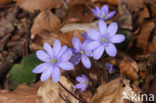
[[63, 49], [40, 68], [76, 43], [112, 29], [110, 15], [118, 38], [78, 86], [48, 49], [97, 53], [83, 89], [105, 9], [93, 34], [42, 55], [66, 65], [79, 79], [97, 8], [46, 74], [56, 74], [75, 59], [102, 27], [111, 50], [67, 55], [86, 61], [93, 45], [56, 47]]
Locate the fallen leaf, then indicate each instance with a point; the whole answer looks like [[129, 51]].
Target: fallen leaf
[[124, 18], [79, 13], [113, 2], [126, 64], [51, 92], [144, 42], [78, 26], [114, 91], [42, 37], [3, 2], [135, 5], [23, 94], [32, 5], [46, 20]]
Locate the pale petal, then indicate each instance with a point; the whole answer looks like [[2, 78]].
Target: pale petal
[[48, 49], [112, 29], [42, 55], [93, 45], [97, 53], [46, 74], [110, 15], [102, 27], [85, 61], [111, 50], [105, 8], [93, 34], [56, 47], [67, 55], [118, 38], [79, 79], [56, 74], [66, 65], [40, 68], [76, 43], [63, 49]]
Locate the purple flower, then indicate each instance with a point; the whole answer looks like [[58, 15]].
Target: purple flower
[[109, 67], [83, 83], [81, 53], [103, 13], [104, 39], [54, 59]]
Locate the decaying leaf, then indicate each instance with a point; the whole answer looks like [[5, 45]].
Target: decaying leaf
[[32, 5], [46, 20], [51, 92], [135, 5], [42, 37], [114, 92], [23, 94], [126, 64], [79, 13], [3, 2]]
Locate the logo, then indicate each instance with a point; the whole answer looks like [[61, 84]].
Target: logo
[[134, 97]]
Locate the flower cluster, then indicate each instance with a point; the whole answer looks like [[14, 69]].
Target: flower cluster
[[94, 44]]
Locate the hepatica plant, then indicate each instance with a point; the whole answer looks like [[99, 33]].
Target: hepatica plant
[[94, 44]]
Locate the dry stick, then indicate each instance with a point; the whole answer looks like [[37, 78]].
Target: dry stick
[[81, 100], [65, 4]]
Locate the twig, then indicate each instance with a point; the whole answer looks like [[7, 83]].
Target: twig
[[65, 4], [81, 100]]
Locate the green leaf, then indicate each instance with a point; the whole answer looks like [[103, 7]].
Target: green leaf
[[22, 73]]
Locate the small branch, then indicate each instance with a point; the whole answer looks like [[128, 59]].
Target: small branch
[[81, 100], [65, 4]]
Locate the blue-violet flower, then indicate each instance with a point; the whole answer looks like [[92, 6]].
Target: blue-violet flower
[[109, 67], [104, 39], [54, 59], [83, 83], [103, 13], [81, 53]]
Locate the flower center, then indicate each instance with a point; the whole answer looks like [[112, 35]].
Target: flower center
[[81, 52], [103, 15], [53, 61], [85, 82], [104, 40]]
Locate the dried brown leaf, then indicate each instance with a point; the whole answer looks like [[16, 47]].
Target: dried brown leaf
[[32, 5], [23, 94], [3, 2], [51, 92], [46, 20], [112, 92], [79, 13], [126, 64], [135, 5]]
